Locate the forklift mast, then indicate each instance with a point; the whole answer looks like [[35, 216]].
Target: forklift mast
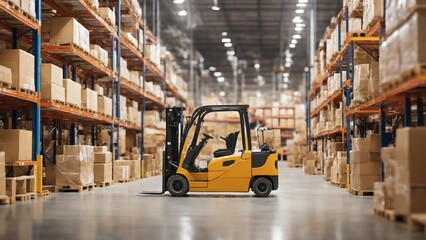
[[174, 124]]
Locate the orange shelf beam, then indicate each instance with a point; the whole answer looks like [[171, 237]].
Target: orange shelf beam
[[15, 18]]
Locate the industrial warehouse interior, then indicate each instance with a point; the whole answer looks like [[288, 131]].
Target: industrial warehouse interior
[[212, 119]]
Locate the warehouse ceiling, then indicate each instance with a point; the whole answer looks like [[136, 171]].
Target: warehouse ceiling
[[254, 28]]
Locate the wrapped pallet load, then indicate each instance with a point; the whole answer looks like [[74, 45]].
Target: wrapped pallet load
[[74, 167]]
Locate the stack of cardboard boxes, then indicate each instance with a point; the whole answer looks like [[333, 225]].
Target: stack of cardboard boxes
[[66, 30], [104, 102], [72, 92], [108, 15], [99, 53], [338, 172], [21, 64], [16, 144], [365, 163], [89, 100], [311, 163], [5, 75], [373, 9], [384, 191], [121, 170], [52, 83], [74, 166], [102, 165]]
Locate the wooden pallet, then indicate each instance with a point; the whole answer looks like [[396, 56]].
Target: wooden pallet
[[4, 200], [418, 222], [14, 6], [44, 193], [122, 181], [355, 34], [416, 70], [68, 188], [5, 85], [29, 16], [104, 184], [361, 192], [27, 91], [72, 105], [26, 196], [339, 185]]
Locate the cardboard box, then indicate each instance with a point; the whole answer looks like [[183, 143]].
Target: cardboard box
[[359, 156], [21, 64], [108, 14], [364, 182], [72, 92], [64, 30], [100, 149], [89, 99], [135, 167], [51, 74], [121, 172], [103, 157], [5, 74], [75, 167], [409, 200], [410, 153], [105, 105], [16, 144], [103, 172], [51, 91], [369, 168]]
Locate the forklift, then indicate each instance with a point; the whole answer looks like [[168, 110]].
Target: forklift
[[227, 170]]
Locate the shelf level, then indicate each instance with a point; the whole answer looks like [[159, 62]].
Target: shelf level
[[329, 133], [11, 17], [14, 99], [337, 96]]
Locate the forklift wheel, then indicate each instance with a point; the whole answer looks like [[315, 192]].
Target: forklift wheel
[[177, 186], [262, 187]]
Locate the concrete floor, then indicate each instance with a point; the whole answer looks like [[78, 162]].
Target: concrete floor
[[304, 207]]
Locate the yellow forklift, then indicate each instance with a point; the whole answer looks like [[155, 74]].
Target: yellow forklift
[[227, 170]]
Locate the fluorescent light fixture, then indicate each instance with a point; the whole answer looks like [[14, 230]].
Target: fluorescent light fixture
[[286, 79], [299, 11], [226, 40], [215, 6], [297, 19], [182, 13], [285, 85], [297, 36], [298, 29], [212, 69], [178, 1], [257, 65], [300, 25], [224, 34], [288, 59], [292, 45], [228, 44], [258, 94], [286, 75], [301, 5], [220, 79], [222, 93], [230, 53], [217, 74], [294, 41], [287, 65], [297, 94], [303, 1]]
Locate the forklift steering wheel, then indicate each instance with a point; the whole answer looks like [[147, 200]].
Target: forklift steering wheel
[[207, 136]]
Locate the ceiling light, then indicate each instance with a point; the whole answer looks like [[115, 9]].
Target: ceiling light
[[258, 94], [178, 1], [303, 1], [217, 74], [220, 79], [286, 80], [288, 59], [182, 13], [256, 65], [297, 94], [226, 40], [301, 5], [228, 44], [300, 25], [230, 53], [294, 41], [285, 85], [222, 93], [224, 34], [212, 69], [292, 45], [297, 19], [286, 75], [287, 65], [297, 36], [215, 6], [298, 29], [299, 11]]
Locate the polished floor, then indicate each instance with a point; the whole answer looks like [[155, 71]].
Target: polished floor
[[304, 207]]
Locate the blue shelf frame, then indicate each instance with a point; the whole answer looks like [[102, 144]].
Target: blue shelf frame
[[36, 115]]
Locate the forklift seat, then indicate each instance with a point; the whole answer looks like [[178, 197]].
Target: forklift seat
[[231, 143]]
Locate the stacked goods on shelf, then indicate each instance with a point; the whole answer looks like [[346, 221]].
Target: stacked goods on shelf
[[99, 53], [66, 30], [108, 15], [154, 143], [2, 177], [133, 114], [104, 103], [410, 180], [123, 108], [373, 11], [26, 6], [5, 75], [102, 167], [297, 151], [153, 54], [124, 71], [312, 163], [402, 57], [74, 167], [384, 191], [72, 93], [21, 64], [338, 171], [15, 143], [154, 90], [121, 170], [52, 83], [89, 100], [365, 163], [366, 78]]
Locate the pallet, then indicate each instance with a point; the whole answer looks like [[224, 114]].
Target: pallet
[[29, 16], [418, 222], [361, 192], [5, 85], [104, 184], [44, 193], [26, 196], [339, 185], [14, 6], [72, 105], [416, 70], [295, 165], [4, 200], [27, 91], [122, 181], [68, 188], [355, 34]]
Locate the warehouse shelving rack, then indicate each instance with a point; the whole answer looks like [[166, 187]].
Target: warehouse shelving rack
[[344, 60]]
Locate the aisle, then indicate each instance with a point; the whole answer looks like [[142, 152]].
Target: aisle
[[305, 207]]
